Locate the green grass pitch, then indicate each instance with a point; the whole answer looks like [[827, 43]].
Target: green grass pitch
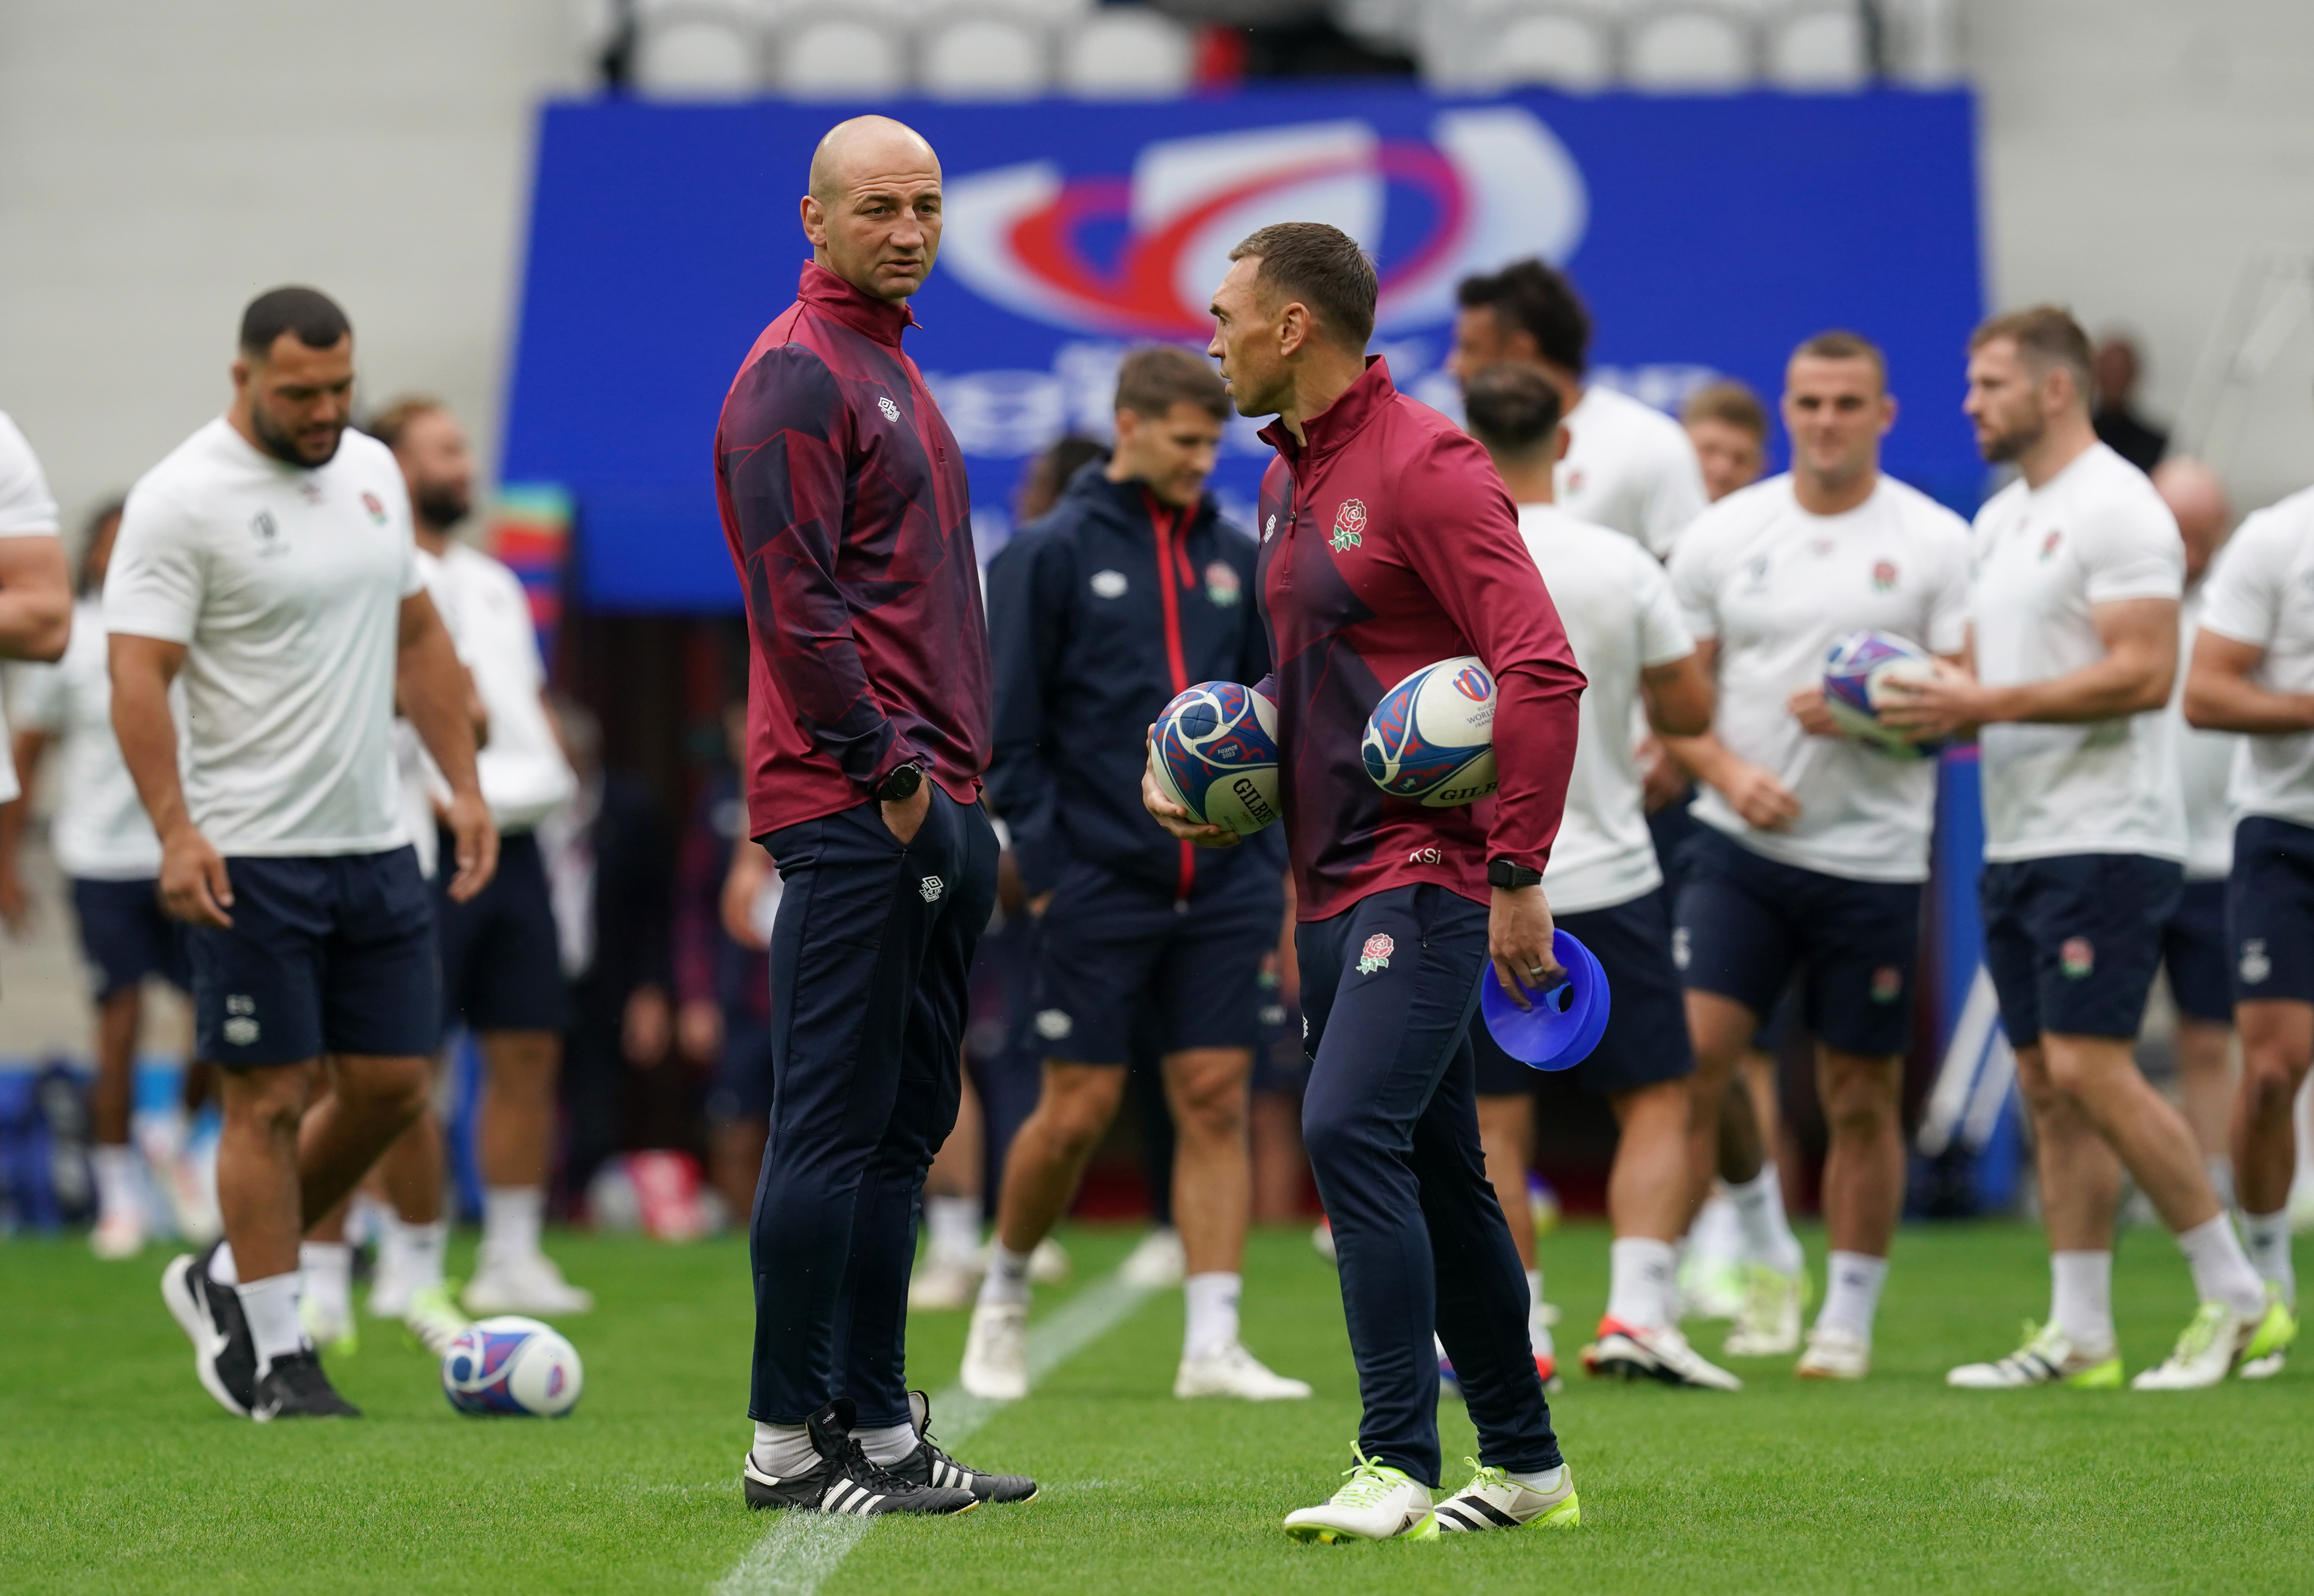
[[117, 1473]]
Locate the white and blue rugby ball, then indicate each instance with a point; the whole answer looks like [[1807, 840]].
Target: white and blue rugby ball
[[1215, 753], [1431, 739], [512, 1365], [1856, 675]]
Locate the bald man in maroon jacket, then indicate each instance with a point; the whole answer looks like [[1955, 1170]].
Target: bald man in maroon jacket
[[845, 506], [1387, 544]]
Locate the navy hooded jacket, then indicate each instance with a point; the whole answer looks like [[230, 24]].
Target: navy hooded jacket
[[1098, 614]]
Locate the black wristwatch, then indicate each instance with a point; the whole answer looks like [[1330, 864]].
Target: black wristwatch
[[1501, 872], [901, 785]]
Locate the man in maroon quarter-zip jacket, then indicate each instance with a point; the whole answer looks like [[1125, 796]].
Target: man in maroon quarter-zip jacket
[[845, 503], [1387, 544]]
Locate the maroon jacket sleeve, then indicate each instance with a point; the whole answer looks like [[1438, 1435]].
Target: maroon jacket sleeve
[[782, 452], [1476, 564]]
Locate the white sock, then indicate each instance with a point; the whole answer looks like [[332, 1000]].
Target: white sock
[[1768, 1236], [2221, 1271], [2080, 1299], [1852, 1293], [329, 1268], [1538, 1334], [1641, 1273], [270, 1306], [2220, 1169], [887, 1443], [221, 1265], [1716, 1236], [784, 1451], [1007, 1281], [116, 1179], [423, 1248], [1546, 1482], [1212, 1317], [161, 1133], [953, 1225], [511, 1218], [2267, 1238]]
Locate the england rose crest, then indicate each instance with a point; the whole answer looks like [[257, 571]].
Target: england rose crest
[[1349, 524], [1375, 955]]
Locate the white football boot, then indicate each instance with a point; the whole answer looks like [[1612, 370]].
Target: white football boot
[[1493, 1500], [432, 1315], [1768, 1322], [996, 1352], [1834, 1352], [2215, 1343], [1233, 1371], [1633, 1352], [942, 1285], [1379, 1503], [1048, 1263], [117, 1235], [1159, 1264], [2046, 1358], [532, 1285]]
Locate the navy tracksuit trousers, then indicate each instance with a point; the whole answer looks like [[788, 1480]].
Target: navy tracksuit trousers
[[1389, 987], [870, 956]]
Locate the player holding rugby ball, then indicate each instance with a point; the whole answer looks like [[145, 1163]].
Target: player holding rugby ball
[[1388, 543]]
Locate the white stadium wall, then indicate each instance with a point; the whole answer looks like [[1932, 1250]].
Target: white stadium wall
[[161, 164], [2136, 152]]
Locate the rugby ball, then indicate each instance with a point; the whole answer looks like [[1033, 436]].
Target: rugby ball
[[1856, 675], [512, 1365], [1431, 739], [1215, 753]]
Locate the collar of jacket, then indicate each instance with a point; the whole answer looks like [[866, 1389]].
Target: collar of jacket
[[1092, 483], [879, 318], [1329, 430]]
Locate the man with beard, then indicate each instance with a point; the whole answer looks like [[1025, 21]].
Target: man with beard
[[268, 564], [502, 967], [2074, 643]]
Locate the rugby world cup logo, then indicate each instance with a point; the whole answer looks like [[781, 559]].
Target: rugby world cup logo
[[1137, 253], [1473, 685]]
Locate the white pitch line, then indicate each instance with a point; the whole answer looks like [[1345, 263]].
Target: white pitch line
[[802, 1549]]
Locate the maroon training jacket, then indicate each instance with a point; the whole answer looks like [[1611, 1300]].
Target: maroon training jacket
[[1388, 543], [845, 506]]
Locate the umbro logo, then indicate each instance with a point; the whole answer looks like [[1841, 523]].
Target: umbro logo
[[1054, 1024], [932, 887], [891, 411]]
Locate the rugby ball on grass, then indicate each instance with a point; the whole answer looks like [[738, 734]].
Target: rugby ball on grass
[[512, 1365], [1431, 739]]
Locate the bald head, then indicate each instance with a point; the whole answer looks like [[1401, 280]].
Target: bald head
[[2198, 500], [873, 214]]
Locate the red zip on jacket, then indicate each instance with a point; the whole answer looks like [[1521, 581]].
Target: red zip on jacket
[[1388, 543]]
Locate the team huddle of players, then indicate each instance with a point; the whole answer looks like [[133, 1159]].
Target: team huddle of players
[[2077, 637]]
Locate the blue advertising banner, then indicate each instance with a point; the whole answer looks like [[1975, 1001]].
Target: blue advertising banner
[[1709, 235]]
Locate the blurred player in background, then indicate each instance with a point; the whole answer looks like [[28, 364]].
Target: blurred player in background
[[2074, 643], [848, 517], [109, 857], [267, 564], [1130, 591], [1606, 890], [1729, 426], [1388, 545], [1628, 466], [1813, 847], [502, 967], [2194, 941], [2253, 672]]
